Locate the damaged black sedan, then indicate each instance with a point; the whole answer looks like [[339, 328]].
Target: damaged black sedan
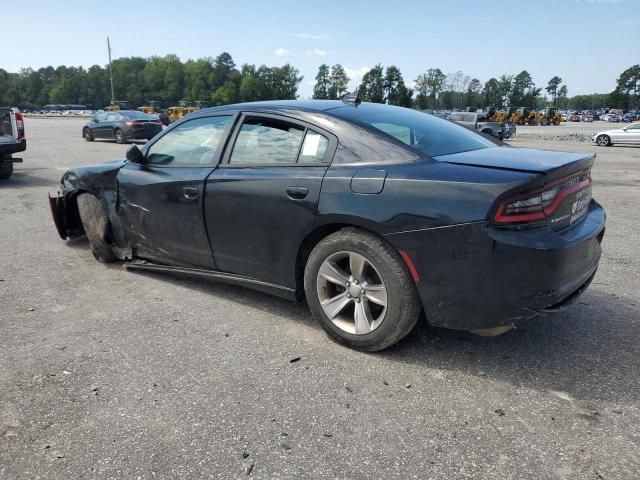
[[374, 214]]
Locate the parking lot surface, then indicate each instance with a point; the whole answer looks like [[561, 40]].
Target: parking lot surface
[[112, 374]]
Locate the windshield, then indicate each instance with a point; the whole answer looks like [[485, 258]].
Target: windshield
[[426, 133]]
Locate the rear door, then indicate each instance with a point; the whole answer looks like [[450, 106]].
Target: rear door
[[160, 203], [262, 200]]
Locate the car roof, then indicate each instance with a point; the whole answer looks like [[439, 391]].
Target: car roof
[[308, 105]]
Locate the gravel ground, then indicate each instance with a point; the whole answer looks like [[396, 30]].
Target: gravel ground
[[111, 374]]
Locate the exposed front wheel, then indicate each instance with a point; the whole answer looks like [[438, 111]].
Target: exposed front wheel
[[360, 290], [96, 226], [603, 140], [6, 169]]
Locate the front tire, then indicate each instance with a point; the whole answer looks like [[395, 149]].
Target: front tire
[[603, 140], [96, 226], [360, 290]]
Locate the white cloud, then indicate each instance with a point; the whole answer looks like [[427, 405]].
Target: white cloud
[[355, 75], [317, 52], [282, 52], [309, 36]]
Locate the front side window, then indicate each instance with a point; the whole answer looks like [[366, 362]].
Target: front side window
[[268, 141], [193, 143]]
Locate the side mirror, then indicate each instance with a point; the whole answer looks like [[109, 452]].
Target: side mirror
[[95, 120], [134, 155]]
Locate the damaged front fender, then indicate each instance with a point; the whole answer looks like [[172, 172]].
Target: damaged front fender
[[98, 180]]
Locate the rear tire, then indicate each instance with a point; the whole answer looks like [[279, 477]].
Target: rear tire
[[87, 135], [119, 136], [387, 299], [544, 122], [6, 169], [96, 226], [603, 140]]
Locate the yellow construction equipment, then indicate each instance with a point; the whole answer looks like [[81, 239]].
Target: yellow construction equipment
[[183, 108], [550, 116], [117, 105], [524, 116], [152, 107]]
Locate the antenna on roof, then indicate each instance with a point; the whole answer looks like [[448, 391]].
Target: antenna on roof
[[352, 99]]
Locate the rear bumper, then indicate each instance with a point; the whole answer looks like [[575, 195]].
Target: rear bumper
[[141, 134], [13, 147], [474, 276]]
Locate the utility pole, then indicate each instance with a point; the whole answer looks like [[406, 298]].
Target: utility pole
[[113, 97]]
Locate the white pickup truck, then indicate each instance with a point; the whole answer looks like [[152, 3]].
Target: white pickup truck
[[12, 139]]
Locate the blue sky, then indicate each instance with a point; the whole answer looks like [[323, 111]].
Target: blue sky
[[586, 42]]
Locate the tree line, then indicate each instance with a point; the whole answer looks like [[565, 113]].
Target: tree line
[[437, 90], [139, 80], [219, 81]]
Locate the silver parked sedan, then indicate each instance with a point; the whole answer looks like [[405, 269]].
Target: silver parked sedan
[[629, 135]]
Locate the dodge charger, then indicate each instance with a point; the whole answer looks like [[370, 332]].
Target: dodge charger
[[374, 215]]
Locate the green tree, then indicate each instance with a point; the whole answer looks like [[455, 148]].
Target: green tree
[[395, 90], [323, 82], [524, 92], [473, 95], [505, 86], [223, 69], [627, 91], [552, 89], [338, 82], [372, 86], [562, 96], [428, 87], [492, 94], [198, 78]]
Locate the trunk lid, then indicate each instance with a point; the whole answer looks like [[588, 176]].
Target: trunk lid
[[551, 164], [560, 195]]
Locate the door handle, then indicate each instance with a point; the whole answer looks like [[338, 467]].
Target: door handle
[[190, 192], [297, 193]]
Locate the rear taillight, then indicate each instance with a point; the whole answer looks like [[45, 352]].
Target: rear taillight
[[20, 125], [539, 204]]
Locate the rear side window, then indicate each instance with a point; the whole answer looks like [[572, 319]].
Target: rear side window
[[268, 141], [425, 133], [193, 143]]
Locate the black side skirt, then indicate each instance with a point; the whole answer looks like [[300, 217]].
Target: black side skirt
[[280, 291]]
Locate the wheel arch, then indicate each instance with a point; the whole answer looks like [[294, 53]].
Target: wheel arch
[[314, 237]]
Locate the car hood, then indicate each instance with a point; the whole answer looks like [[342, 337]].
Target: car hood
[[520, 159]]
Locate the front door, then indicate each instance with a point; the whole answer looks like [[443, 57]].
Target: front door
[[262, 200], [160, 203]]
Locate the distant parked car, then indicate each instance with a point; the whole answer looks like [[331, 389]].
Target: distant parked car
[[629, 117], [478, 121], [122, 126], [629, 135], [574, 117], [587, 118], [614, 119]]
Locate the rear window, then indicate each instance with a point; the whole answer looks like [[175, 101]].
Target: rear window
[[137, 116], [423, 132]]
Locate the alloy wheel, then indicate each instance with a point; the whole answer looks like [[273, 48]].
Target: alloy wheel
[[352, 293]]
